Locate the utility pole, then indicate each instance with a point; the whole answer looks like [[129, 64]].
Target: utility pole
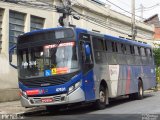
[[133, 20], [64, 19], [142, 8]]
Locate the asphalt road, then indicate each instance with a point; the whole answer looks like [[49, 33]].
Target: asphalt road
[[121, 109]]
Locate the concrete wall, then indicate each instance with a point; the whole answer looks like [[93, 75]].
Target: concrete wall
[[113, 20]]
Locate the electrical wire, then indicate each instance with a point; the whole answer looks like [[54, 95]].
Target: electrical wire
[[153, 6], [104, 21], [95, 21], [90, 19], [122, 9]]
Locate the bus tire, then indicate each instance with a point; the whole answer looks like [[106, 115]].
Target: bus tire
[[101, 102], [140, 94]]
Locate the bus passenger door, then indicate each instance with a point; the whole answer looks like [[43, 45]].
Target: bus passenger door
[[87, 68]]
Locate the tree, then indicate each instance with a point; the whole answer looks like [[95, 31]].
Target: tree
[[157, 63], [157, 56]]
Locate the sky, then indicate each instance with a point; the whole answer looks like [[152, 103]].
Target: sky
[[152, 7]]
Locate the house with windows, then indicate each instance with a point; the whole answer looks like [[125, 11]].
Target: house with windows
[[156, 22]]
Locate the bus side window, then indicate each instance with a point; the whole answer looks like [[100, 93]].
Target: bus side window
[[106, 47], [139, 51], [132, 49], [150, 52], [87, 59], [123, 48], [136, 50], [99, 44], [114, 47], [146, 53]]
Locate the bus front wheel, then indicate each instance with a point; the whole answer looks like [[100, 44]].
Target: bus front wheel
[[101, 102]]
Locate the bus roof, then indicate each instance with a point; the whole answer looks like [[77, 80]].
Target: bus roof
[[114, 38], [86, 31], [127, 41], [41, 31]]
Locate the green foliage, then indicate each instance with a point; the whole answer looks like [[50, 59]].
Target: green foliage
[[157, 56], [158, 74], [157, 63]]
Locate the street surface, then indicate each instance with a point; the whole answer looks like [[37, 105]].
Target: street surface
[[122, 109]]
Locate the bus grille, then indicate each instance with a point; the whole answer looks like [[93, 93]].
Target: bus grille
[[47, 81]]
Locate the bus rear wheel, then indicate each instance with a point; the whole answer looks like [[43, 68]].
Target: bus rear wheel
[[140, 94], [101, 102]]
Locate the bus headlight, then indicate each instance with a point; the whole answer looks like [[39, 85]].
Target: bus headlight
[[24, 94], [74, 86]]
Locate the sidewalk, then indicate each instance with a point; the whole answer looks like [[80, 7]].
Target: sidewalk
[[7, 95], [14, 107]]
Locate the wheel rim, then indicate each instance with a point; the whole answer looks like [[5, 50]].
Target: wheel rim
[[102, 96], [141, 91]]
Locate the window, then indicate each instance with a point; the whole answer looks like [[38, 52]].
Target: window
[[16, 26], [98, 44], [132, 49], [149, 52], [114, 47], [36, 23], [139, 50], [100, 47], [143, 52], [123, 48], [1, 17], [106, 47], [136, 50]]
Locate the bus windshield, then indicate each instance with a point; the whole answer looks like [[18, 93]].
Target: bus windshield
[[48, 60]]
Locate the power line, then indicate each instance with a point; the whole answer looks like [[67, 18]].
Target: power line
[[94, 21], [123, 9], [112, 29], [151, 7], [99, 19], [90, 19]]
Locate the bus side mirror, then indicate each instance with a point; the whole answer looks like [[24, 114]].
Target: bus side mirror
[[10, 56], [87, 50]]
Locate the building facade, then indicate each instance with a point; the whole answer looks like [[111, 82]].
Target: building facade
[[156, 22], [16, 19]]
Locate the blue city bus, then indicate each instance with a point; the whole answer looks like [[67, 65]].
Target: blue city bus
[[63, 66]]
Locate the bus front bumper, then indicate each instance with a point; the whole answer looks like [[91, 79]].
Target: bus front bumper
[[74, 97]]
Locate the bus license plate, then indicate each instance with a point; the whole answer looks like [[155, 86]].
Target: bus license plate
[[47, 100]]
